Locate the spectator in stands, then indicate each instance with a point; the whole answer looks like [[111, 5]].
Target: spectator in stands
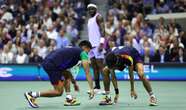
[[146, 42], [181, 55], [5, 36], [179, 6], [12, 47], [73, 34], [34, 57], [109, 28], [137, 22], [62, 40], [146, 29], [21, 58], [161, 55], [52, 45], [146, 57], [177, 26], [162, 7], [43, 51], [33, 42], [183, 38], [47, 21], [147, 49], [173, 32], [18, 38], [161, 35], [26, 47], [7, 55], [6, 13], [26, 22], [148, 6], [123, 28], [52, 33], [174, 50]]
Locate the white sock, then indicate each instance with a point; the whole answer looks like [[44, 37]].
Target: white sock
[[151, 93], [107, 93], [36, 94], [152, 96], [69, 97]]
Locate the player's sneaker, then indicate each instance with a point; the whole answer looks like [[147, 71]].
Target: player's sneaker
[[31, 99], [97, 91], [71, 102], [153, 101], [106, 101]]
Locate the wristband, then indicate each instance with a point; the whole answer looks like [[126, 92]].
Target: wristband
[[116, 91]]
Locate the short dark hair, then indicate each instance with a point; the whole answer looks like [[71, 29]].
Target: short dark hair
[[110, 59], [85, 43]]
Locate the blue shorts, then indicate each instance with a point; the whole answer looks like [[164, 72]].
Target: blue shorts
[[136, 56], [55, 74]]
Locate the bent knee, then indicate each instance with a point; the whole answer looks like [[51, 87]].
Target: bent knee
[[142, 77], [106, 70]]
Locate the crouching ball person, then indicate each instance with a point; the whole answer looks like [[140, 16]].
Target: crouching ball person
[[56, 65], [118, 59]]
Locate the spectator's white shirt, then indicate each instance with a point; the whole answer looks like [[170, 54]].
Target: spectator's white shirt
[[52, 35], [149, 41], [20, 59], [109, 30], [29, 34], [42, 52], [133, 22], [7, 57], [57, 10], [7, 16], [47, 22], [13, 49]]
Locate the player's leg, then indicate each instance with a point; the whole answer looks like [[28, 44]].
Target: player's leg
[[55, 79], [146, 83], [70, 100], [106, 82], [57, 91], [100, 68], [96, 73], [106, 79]]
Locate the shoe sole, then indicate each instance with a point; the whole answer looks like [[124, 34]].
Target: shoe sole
[[76, 104], [30, 103], [97, 93], [153, 104], [104, 104]]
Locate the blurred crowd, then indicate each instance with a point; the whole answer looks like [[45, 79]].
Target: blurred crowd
[[30, 29], [126, 24]]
